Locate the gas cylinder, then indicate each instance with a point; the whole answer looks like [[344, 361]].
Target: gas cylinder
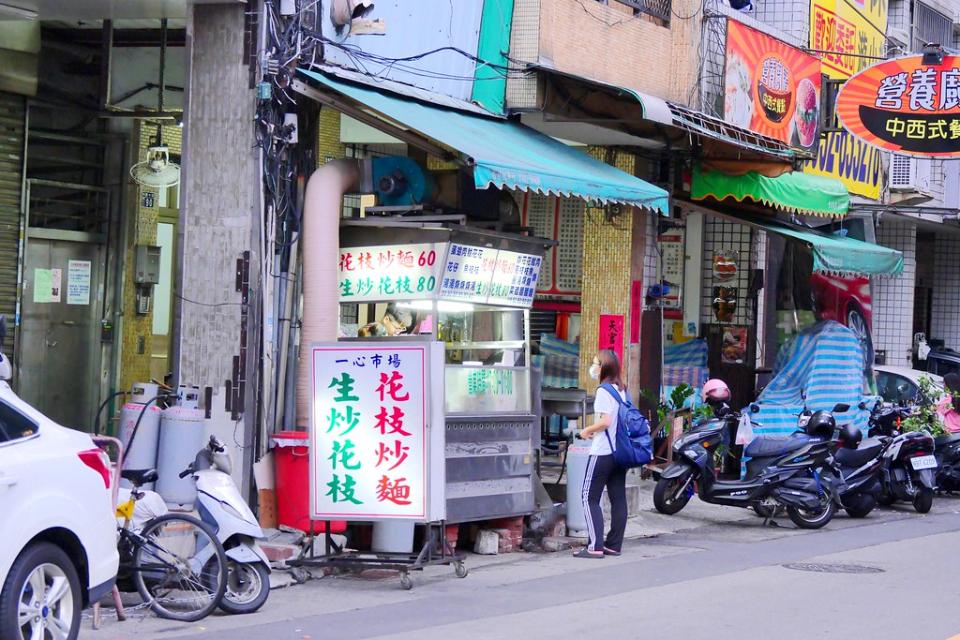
[[142, 452], [181, 437]]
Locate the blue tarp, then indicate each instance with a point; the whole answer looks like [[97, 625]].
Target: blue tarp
[[506, 154], [825, 361], [692, 353]]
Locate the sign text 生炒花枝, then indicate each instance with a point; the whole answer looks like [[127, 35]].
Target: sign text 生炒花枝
[[905, 106], [369, 456]]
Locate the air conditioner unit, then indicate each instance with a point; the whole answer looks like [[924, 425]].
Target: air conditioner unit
[[910, 179], [903, 173]]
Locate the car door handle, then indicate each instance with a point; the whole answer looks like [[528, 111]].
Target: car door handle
[[7, 480]]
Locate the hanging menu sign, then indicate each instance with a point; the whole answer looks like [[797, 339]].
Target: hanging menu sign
[[467, 274], [490, 276], [369, 445], [395, 272]]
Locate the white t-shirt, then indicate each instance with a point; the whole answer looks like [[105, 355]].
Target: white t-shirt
[[606, 404]]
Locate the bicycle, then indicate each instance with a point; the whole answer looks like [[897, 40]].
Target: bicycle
[[175, 561]]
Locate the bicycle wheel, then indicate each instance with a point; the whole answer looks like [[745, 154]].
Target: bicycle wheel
[[179, 567]]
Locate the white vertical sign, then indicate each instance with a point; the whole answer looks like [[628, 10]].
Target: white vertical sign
[[369, 444]]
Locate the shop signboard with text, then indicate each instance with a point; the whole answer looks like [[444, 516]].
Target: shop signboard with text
[[851, 35], [771, 87], [490, 276], [373, 453], [395, 272], [905, 106], [438, 271]]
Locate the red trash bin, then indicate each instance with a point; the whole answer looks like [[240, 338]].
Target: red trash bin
[[291, 455]]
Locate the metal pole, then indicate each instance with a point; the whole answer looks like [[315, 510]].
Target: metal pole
[[163, 62]]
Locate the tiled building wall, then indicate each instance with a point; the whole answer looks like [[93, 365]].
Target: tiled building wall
[[137, 330], [898, 15], [791, 17], [605, 42], [945, 316], [607, 254], [893, 296]]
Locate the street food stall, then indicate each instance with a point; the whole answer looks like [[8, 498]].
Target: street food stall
[[415, 283]]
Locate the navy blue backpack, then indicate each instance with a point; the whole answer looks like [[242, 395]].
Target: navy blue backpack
[[634, 442]]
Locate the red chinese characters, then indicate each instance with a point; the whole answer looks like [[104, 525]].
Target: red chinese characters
[[392, 451]]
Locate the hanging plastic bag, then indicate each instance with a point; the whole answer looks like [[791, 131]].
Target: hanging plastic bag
[[744, 430]]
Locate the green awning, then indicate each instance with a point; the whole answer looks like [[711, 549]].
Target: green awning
[[795, 191], [504, 153], [834, 254]]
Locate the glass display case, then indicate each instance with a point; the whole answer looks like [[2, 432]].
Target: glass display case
[[471, 290]]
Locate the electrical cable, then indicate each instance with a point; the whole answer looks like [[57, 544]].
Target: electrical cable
[[136, 427], [96, 420]]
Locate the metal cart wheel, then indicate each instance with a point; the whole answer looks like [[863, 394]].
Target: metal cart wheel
[[406, 583], [460, 569]]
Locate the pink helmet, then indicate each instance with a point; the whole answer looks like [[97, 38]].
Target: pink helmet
[[715, 390]]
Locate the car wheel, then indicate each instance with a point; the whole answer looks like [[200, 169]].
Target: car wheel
[[41, 597], [857, 323]]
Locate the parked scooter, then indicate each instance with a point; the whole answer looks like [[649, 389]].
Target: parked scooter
[[909, 471], [858, 465], [224, 509], [781, 472], [947, 452]]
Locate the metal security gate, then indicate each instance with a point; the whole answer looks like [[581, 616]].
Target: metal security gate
[[61, 307], [12, 121]]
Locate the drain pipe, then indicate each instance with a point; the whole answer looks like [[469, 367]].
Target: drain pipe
[[320, 247]]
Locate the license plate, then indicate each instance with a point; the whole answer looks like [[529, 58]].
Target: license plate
[[923, 462]]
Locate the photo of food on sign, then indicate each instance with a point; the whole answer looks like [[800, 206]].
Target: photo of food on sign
[[771, 87], [906, 106]]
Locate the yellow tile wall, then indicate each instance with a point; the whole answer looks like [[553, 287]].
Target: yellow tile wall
[[328, 136], [606, 269], [134, 366]]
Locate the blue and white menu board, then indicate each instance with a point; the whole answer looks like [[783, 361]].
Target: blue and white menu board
[[490, 276]]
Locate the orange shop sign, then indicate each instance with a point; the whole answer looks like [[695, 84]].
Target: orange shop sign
[[771, 87], [905, 106]]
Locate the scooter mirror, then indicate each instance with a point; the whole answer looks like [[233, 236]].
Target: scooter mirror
[[862, 406], [754, 407], [841, 408]]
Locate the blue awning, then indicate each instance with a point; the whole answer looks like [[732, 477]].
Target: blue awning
[[503, 153]]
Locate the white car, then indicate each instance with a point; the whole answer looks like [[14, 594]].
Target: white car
[[901, 385], [58, 535]]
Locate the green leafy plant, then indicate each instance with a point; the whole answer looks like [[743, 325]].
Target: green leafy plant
[[924, 416], [678, 398]]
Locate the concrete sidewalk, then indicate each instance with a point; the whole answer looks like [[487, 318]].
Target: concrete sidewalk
[[653, 539]]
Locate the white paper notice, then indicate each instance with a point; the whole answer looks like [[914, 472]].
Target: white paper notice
[[78, 282], [55, 281]]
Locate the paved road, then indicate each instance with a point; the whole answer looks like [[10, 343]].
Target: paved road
[[721, 579]]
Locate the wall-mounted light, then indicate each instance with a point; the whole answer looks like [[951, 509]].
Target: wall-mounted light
[[932, 54]]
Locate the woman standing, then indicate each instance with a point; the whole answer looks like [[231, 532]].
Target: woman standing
[[602, 471]]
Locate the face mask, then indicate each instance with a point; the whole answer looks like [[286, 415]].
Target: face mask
[[594, 371]]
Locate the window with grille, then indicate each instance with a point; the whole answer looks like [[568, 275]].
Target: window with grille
[[930, 26]]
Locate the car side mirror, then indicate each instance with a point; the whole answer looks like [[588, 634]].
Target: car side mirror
[[841, 408]]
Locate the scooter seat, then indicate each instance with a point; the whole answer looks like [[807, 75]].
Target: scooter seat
[[942, 441], [867, 451], [768, 446], [139, 477]]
